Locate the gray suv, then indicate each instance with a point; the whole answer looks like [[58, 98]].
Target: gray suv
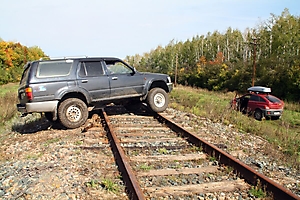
[[67, 89]]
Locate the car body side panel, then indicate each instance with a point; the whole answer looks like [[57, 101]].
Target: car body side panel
[[97, 87], [253, 105], [126, 84]]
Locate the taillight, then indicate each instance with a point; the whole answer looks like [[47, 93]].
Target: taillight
[[28, 92]]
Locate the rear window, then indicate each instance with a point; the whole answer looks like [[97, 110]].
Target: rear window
[[54, 68], [273, 99]]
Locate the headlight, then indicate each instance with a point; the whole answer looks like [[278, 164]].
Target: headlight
[[169, 79]]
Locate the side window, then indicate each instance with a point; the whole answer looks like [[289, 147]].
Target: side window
[[273, 99], [25, 73], [54, 68], [90, 68], [254, 98], [261, 99], [117, 68]]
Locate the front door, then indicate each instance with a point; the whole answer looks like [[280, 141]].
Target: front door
[[124, 82]]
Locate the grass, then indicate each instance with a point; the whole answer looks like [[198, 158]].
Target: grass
[[9, 88], [92, 183], [78, 142], [109, 185], [8, 95], [51, 141], [162, 151], [283, 134], [106, 184], [145, 167], [257, 192], [34, 156]]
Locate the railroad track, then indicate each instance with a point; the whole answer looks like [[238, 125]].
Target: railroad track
[[160, 160]]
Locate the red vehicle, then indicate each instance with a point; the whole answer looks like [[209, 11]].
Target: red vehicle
[[260, 103]]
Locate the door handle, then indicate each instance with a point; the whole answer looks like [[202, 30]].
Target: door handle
[[114, 78], [84, 81]]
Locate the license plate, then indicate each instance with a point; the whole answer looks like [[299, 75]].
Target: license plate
[[276, 113]]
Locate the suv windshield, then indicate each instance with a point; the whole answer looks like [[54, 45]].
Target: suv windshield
[[273, 99]]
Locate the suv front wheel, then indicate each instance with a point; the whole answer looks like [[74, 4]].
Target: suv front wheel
[[158, 99], [72, 113]]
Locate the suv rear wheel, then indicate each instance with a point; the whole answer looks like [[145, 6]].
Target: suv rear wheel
[[158, 99], [72, 113]]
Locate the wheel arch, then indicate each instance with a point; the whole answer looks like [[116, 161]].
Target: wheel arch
[[68, 95], [155, 84], [159, 84], [77, 95]]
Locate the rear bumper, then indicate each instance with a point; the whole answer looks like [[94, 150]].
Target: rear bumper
[[46, 106]]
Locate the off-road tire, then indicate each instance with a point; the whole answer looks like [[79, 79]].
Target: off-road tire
[[72, 113], [158, 99], [258, 114]]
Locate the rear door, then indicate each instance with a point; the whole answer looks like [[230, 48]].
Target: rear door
[[124, 81], [91, 77], [256, 101]]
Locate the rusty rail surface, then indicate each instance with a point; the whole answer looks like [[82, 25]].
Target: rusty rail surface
[[133, 188], [243, 170]]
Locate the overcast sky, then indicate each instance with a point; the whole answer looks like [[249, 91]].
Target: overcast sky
[[119, 28]]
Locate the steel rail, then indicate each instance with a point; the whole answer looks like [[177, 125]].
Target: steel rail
[[133, 188], [243, 170]]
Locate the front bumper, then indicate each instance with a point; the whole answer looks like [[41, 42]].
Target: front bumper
[[46, 106]]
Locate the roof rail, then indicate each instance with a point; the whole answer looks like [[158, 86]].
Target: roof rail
[[67, 57], [44, 58]]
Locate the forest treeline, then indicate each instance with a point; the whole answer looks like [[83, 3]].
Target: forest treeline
[[225, 61], [215, 61], [13, 56]]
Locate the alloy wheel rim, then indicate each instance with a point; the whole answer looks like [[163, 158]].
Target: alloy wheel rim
[[159, 100], [73, 113]]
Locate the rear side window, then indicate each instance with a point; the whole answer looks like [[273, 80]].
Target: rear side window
[[273, 99], [54, 68], [261, 99], [254, 98], [25, 73], [90, 69]]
